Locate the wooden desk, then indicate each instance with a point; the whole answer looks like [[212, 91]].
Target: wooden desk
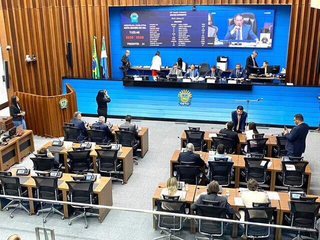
[[143, 134], [272, 141], [126, 157], [102, 188], [17, 148]]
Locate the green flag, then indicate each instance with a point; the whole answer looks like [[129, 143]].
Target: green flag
[[95, 63]]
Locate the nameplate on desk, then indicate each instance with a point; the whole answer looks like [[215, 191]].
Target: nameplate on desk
[[211, 80], [137, 78], [232, 81], [185, 80]]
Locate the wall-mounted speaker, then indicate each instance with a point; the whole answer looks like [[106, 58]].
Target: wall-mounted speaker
[[6, 74], [69, 54], [318, 66]]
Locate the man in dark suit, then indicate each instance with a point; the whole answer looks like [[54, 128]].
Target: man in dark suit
[[231, 134], [239, 118], [240, 31], [104, 127], [125, 63], [212, 195], [251, 62], [296, 139], [214, 72], [190, 157], [239, 72], [78, 123]]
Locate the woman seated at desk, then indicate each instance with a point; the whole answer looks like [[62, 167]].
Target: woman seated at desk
[[252, 130], [172, 190]]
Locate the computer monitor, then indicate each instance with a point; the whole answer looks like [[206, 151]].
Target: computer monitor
[[173, 77], [258, 71], [275, 69], [12, 131]]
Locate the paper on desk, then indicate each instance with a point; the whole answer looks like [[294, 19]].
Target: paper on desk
[[211, 135], [290, 167], [67, 145], [269, 164], [238, 201], [273, 196], [243, 190]]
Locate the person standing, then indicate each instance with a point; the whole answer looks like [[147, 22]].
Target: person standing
[[155, 65], [251, 62], [296, 139], [239, 118], [102, 100], [125, 63], [16, 113]]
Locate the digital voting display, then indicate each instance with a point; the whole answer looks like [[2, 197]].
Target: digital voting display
[[201, 28]]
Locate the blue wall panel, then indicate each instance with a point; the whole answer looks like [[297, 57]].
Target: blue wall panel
[[143, 56], [279, 104]]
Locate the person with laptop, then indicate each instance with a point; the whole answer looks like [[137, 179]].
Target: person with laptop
[[174, 72], [16, 112]]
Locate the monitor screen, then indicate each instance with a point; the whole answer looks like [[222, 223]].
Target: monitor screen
[[231, 27], [258, 71], [12, 131], [273, 69]]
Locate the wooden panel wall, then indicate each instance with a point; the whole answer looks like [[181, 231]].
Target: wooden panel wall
[[43, 28], [43, 113]]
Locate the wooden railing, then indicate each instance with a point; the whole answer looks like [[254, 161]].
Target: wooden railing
[[44, 114]]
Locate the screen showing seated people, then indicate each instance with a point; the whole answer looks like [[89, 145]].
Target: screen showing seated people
[[200, 28]]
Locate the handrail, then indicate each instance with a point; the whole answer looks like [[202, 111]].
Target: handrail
[[69, 91], [162, 213]]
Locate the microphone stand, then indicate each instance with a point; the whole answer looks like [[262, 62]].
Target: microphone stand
[[248, 102]]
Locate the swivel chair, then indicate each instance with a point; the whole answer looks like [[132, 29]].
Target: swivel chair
[[79, 161]]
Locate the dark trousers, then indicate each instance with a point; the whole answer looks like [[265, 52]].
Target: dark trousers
[[103, 112]]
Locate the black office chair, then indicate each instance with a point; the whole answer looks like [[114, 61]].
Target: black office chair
[[71, 133], [108, 163], [203, 69], [308, 199], [81, 192], [258, 215], [11, 186], [249, 19], [124, 129], [79, 161], [168, 224], [304, 215], [194, 128], [172, 198], [227, 142], [293, 174], [97, 136], [280, 150], [295, 158], [47, 188], [127, 139], [256, 168], [210, 228], [196, 138], [221, 172], [43, 163], [257, 146], [189, 174]]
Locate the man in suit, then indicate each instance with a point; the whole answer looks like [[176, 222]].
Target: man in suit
[[132, 127], [190, 157], [212, 195], [296, 139], [125, 63], [240, 31], [78, 123], [239, 118], [239, 72], [231, 134], [251, 62], [192, 72], [104, 127], [175, 70], [214, 72]]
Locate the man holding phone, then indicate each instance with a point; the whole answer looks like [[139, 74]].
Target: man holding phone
[[296, 138]]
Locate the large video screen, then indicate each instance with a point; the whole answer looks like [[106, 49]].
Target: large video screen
[[200, 28]]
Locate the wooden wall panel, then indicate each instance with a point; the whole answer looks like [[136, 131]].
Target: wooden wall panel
[[43, 113]]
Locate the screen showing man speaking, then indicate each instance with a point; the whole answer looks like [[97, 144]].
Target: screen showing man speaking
[[201, 28]]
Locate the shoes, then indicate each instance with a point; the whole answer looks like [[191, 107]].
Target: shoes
[[244, 237]]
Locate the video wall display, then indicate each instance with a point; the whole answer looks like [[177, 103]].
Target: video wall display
[[200, 28]]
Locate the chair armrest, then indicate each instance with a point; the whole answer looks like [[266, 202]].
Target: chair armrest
[[237, 216]]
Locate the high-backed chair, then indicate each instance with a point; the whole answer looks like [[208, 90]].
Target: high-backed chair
[[257, 145], [47, 188], [11, 186], [221, 172], [249, 19], [71, 133], [97, 136], [127, 139], [79, 161], [211, 228], [108, 163], [168, 224], [43, 163], [196, 138], [293, 173], [81, 192], [256, 168], [280, 150], [188, 174], [227, 142], [203, 69]]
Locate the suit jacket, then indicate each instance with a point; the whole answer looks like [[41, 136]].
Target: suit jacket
[[214, 197], [194, 74], [102, 103], [191, 157], [247, 33], [250, 65], [78, 124], [240, 74], [215, 73], [125, 62], [14, 110], [132, 128], [296, 140], [231, 134], [178, 72], [243, 119], [105, 128]]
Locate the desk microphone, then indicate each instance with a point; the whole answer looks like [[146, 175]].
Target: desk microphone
[[60, 144], [259, 99]]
